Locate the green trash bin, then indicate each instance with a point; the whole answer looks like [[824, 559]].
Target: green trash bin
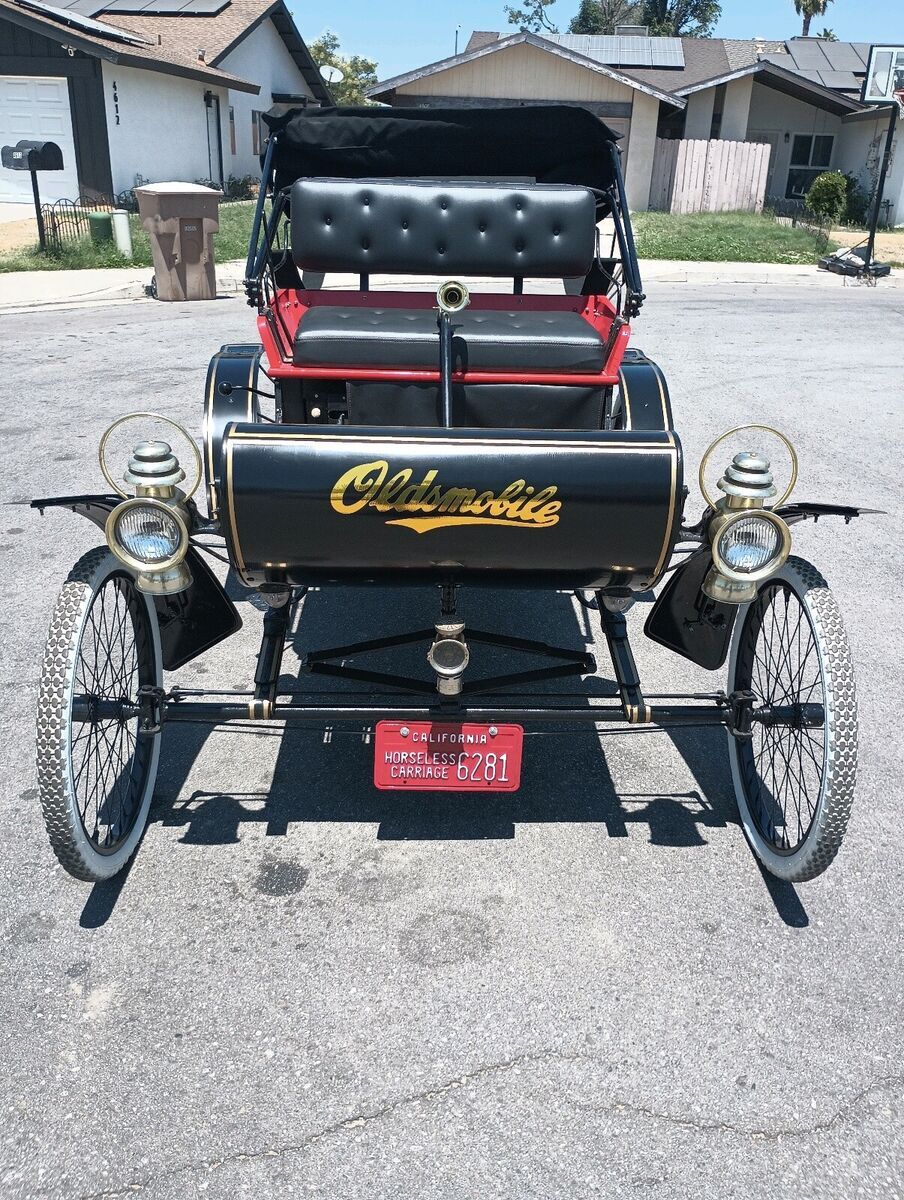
[[101, 226]]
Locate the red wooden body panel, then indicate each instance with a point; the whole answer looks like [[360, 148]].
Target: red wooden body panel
[[277, 326]]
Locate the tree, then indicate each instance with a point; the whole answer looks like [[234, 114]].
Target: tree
[[684, 18], [808, 9], [533, 18], [602, 16], [358, 73], [828, 35]]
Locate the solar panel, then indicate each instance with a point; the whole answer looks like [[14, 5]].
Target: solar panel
[[667, 52], [842, 56], [87, 8], [126, 6], [845, 81], [167, 8], [77, 21], [813, 76], [808, 55], [622, 50], [203, 8], [634, 52]]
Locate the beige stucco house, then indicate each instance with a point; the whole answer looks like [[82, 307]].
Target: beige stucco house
[[800, 96]]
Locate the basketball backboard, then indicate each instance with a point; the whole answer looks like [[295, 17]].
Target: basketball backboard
[[884, 80]]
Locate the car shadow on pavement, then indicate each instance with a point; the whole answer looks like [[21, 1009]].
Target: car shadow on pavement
[[325, 775]]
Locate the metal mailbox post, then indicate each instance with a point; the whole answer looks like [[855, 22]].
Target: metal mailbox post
[[33, 156], [181, 219]]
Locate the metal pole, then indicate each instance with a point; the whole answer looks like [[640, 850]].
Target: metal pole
[[445, 365], [42, 237], [880, 186]]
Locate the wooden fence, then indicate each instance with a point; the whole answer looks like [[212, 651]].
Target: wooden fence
[[698, 176]]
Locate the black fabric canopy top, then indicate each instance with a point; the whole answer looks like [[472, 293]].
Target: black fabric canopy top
[[552, 143]]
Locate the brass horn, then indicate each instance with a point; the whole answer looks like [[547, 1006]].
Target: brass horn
[[452, 296]]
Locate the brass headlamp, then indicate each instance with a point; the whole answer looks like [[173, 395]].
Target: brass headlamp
[[749, 542], [149, 532]]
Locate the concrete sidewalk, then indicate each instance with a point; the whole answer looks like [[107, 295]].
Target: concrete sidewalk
[[23, 291]]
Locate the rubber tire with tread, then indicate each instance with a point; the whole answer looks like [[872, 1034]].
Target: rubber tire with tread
[[67, 835], [833, 807]]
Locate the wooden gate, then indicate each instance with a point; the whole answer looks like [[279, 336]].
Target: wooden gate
[[698, 176]]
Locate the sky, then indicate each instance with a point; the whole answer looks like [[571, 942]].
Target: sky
[[410, 33]]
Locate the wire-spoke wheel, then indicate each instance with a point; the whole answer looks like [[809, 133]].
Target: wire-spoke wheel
[[794, 780], [96, 772]]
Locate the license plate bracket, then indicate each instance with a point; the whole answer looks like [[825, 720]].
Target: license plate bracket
[[447, 756]]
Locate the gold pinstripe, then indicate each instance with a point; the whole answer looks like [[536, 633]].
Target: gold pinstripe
[[667, 540], [233, 526], [208, 439], [407, 440], [660, 380]]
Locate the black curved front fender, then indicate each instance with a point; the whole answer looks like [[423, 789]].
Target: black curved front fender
[[191, 621]]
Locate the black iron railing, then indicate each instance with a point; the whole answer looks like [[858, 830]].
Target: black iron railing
[[70, 220]]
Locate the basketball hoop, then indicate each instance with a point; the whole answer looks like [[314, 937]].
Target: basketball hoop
[[898, 94]]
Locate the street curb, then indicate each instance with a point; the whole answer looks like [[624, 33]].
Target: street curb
[[230, 282]]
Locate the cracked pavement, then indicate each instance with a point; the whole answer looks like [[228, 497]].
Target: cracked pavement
[[305, 987]]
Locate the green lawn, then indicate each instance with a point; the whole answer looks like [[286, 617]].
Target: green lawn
[[722, 237], [230, 243], [700, 237]]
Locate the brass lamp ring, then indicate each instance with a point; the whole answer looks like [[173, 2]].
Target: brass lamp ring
[[140, 564], [774, 564], [102, 458], [704, 462]]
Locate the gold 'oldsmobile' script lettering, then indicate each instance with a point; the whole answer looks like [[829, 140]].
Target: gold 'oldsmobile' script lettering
[[369, 485]]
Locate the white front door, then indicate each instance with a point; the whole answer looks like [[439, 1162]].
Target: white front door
[[37, 108]]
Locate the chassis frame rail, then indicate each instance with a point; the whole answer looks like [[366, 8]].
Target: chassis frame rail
[[154, 707]]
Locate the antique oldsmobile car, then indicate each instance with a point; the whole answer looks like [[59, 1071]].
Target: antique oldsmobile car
[[463, 437]]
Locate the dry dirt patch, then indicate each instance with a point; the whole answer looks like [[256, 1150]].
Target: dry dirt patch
[[16, 235], [889, 242]]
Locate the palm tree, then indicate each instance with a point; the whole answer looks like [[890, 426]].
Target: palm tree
[[808, 9]]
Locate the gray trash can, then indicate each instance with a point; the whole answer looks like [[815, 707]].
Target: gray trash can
[[181, 219]]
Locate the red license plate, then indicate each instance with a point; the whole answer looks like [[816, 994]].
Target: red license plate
[[441, 756]]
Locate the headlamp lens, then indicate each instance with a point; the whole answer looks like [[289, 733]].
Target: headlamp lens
[[750, 544], [149, 534]]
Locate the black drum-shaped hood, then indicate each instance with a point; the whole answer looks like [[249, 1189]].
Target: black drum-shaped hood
[[550, 143], [518, 508]]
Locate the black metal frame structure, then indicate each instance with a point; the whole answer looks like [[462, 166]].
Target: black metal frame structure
[[415, 699], [260, 266]]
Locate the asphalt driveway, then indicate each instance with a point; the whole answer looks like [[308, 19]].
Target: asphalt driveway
[[308, 987]]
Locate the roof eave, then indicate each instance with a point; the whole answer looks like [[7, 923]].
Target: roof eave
[[785, 81], [68, 36], [295, 44]]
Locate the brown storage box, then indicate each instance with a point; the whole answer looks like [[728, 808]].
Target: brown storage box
[[181, 219]]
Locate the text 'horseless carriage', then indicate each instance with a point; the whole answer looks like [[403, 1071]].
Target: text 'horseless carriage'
[[501, 437]]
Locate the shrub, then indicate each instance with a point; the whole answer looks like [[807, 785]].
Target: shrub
[[233, 188], [827, 197], [857, 202]]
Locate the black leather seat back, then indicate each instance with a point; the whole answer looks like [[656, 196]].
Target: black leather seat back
[[432, 228]]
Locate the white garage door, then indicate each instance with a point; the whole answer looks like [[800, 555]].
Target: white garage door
[[37, 109]]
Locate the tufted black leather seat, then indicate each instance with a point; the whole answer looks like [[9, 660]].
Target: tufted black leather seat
[[483, 341], [454, 230], [424, 227]]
